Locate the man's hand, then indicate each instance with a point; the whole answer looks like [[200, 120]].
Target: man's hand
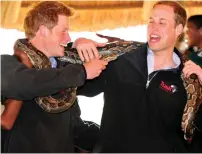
[[94, 68], [87, 49], [191, 68]]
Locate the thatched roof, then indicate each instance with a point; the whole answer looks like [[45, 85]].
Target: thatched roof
[[93, 15]]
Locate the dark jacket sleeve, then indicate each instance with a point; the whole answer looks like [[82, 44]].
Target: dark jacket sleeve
[[95, 86], [91, 88], [20, 82]]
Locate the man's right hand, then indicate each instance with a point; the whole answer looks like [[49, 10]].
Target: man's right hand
[[94, 68]]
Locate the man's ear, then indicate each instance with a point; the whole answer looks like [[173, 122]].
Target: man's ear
[[43, 31], [179, 30]]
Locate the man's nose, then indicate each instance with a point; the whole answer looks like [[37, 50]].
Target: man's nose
[[155, 26], [68, 38]]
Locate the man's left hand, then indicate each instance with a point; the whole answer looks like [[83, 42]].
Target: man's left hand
[[191, 68]]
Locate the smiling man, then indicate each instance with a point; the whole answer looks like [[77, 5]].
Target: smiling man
[[35, 130], [143, 90]]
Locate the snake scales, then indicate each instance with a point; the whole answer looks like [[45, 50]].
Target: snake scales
[[110, 52], [39, 60], [194, 100]]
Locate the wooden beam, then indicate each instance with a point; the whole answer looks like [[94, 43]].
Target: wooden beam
[[94, 4], [10, 12]]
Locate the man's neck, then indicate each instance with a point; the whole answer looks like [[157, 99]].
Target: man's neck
[[38, 44], [163, 59]]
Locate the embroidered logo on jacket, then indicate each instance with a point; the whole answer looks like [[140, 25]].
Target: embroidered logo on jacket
[[168, 88]]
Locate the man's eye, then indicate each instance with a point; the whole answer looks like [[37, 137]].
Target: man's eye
[[162, 22]]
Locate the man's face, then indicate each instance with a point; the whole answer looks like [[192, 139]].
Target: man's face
[[57, 36], [193, 34], [161, 32]]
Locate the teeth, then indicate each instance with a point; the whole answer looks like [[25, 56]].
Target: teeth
[[155, 36], [64, 45]]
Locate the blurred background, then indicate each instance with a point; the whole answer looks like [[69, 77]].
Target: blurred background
[[123, 19], [93, 15]]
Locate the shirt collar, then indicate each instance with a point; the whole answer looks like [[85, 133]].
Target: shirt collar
[[53, 62]]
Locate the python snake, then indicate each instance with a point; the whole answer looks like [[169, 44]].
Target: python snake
[[39, 60], [194, 100], [109, 53]]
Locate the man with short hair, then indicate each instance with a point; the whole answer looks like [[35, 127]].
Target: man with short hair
[[144, 95], [35, 130], [23, 83]]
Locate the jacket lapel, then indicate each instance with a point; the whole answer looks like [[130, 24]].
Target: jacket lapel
[[138, 59]]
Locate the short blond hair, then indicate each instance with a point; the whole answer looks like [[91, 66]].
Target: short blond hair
[[179, 11], [44, 13]]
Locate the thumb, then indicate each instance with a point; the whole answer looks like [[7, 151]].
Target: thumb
[[100, 44]]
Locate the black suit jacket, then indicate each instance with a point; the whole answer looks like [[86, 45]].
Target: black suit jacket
[[20, 82], [136, 118]]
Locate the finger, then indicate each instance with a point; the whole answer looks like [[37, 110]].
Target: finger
[[86, 56], [188, 66], [188, 63], [90, 54], [193, 67], [188, 74], [99, 71], [104, 62], [186, 71], [103, 67], [80, 54], [101, 44], [99, 56], [95, 52]]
